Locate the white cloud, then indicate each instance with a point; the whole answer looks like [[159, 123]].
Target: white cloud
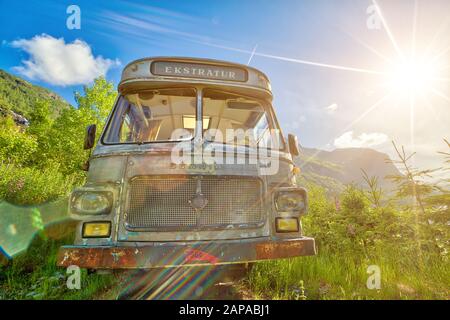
[[362, 141], [59, 63], [332, 108]]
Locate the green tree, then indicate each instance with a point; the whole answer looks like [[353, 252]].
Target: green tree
[[42, 161], [16, 146], [375, 192], [411, 182], [435, 226], [97, 100], [41, 123], [68, 132]]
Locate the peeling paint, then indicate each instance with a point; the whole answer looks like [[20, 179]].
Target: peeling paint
[[186, 253], [117, 255]]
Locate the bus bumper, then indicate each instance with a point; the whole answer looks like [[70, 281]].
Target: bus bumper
[[157, 255]]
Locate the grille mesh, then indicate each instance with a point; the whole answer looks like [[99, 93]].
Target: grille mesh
[[163, 202]]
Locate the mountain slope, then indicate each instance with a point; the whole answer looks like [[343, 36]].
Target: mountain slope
[[19, 96], [334, 169]]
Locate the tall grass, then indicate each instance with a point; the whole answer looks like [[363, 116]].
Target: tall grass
[[34, 275], [338, 275], [352, 236]]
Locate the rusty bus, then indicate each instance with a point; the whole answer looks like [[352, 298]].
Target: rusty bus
[[146, 206]]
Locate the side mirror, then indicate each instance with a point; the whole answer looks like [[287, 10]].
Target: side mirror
[[89, 139], [293, 145]]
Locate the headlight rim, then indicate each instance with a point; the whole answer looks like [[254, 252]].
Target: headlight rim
[[109, 195], [301, 191]]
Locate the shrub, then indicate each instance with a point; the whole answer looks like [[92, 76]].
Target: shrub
[[15, 145], [25, 186]]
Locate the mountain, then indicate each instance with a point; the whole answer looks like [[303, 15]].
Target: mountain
[[17, 97], [334, 169]]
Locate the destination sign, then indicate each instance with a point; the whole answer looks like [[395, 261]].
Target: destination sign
[[200, 71]]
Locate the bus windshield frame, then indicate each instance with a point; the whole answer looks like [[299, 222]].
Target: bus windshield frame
[[110, 134]]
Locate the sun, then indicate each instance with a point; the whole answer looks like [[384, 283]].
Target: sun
[[412, 77]]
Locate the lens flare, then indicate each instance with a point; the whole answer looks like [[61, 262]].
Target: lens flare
[[411, 77]]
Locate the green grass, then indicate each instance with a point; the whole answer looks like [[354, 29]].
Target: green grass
[[329, 275], [341, 275], [35, 275]]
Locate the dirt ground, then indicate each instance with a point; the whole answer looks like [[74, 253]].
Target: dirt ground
[[187, 283]]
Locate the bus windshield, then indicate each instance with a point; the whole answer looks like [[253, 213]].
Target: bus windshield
[[170, 115], [151, 116], [237, 120]]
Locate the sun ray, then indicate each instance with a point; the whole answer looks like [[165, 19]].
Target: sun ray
[[365, 113], [318, 64], [443, 25], [368, 47], [252, 54], [300, 61], [388, 30], [439, 55], [411, 121], [414, 31], [440, 94], [430, 108]]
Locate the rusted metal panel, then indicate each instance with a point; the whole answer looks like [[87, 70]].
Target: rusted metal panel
[[99, 257], [286, 249], [195, 255], [152, 256]]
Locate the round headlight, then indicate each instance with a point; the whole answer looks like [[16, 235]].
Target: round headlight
[[91, 203], [290, 201]]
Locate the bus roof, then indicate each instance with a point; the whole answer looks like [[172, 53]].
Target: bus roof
[[178, 70]]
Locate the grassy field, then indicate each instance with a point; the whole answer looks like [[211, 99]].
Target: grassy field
[[338, 275], [325, 276], [410, 252], [34, 275], [409, 247]]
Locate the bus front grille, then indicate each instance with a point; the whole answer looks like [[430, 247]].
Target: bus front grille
[[165, 202]]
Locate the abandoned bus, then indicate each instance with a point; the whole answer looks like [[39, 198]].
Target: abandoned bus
[[190, 169]]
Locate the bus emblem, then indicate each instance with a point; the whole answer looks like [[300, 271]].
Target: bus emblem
[[198, 202]]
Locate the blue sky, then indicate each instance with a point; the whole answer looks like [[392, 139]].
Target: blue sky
[[327, 67]]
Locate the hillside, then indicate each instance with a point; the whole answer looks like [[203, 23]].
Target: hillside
[[334, 169], [18, 96]]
